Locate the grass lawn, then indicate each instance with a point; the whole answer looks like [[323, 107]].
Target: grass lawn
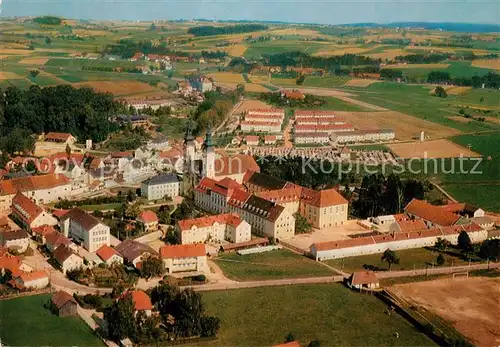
[[336, 104], [326, 81], [330, 313], [370, 147], [270, 265], [418, 257], [483, 195], [487, 144], [25, 322], [101, 207]]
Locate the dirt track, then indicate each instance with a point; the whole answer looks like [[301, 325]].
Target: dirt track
[[471, 305], [431, 149]]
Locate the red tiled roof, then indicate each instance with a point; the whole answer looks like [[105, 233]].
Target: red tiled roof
[[57, 136], [57, 239], [170, 154], [147, 217], [238, 198], [60, 298], [226, 218], [269, 110], [323, 127], [410, 225], [33, 276], [141, 300], [223, 187], [314, 113], [44, 230], [295, 94], [25, 209], [270, 138], [260, 117], [183, 251], [10, 262], [364, 277], [238, 164], [251, 138], [323, 198], [62, 253], [260, 123], [31, 183], [289, 344], [105, 252], [329, 245], [59, 213], [431, 213]]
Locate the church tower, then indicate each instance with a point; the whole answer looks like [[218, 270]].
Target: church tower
[[208, 156]]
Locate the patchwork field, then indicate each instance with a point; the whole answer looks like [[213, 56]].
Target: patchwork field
[[417, 66], [389, 54], [470, 305], [487, 63], [322, 91], [328, 313], [341, 51], [360, 82], [237, 50], [25, 322], [406, 127], [118, 87], [34, 60], [431, 149]]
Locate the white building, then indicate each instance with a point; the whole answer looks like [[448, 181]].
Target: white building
[[67, 258], [183, 258], [41, 189], [161, 186], [312, 138], [86, 229], [260, 126], [32, 280], [18, 240], [109, 255], [30, 214], [363, 136], [214, 229]]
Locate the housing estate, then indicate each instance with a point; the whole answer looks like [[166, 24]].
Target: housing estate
[[223, 227], [183, 258]]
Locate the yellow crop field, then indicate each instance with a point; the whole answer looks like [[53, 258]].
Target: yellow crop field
[[6, 75], [256, 88], [341, 51], [360, 82], [236, 50], [4, 56], [16, 51], [259, 79], [227, 77], [452, 90], [487, 63], [34, 61], [389, 54], [417, 66]]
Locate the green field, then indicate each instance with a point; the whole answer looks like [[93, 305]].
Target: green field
[[270, 265], [332, 314], [416, 101], [417, 258], [485, 195], [25, 322], [487, 144], [456, 69], [102, 207], [326, 81]]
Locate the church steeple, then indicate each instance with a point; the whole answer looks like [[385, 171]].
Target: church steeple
[[208, 156], [189, 149], [208, 139]]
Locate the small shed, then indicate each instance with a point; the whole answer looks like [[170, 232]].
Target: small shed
[[363, 280], [63, 304]]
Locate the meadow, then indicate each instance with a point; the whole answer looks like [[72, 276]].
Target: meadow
[[276, 264], [330, 313], [25, 322]]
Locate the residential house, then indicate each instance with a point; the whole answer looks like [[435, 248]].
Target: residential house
[[30, 214], [67, 258], [54, 240], [42, 231], [63, 304], [142, 302], [85, 229], [270, 139], [135, 252], [149, 219], [363, 135], [201, 84], [252, 140], [161, 186], [214, 229], [260, 126], [41, 189], [31, 280], [363, 280], [18, 240], [109, 255], [304, 138], [183, 258]]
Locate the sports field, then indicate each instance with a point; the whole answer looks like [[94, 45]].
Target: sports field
[[470, 305], [25, 322], [330, 313]]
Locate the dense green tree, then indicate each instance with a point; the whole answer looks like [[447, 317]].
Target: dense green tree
[[314, 343], [490, 249], [302, 225], [440, 260], [209, 326], [120, 318], [390, 258], [440, 92], [289, 337], [441, 244], [152, 267], [464, 242], [34, 73], [209, 30]]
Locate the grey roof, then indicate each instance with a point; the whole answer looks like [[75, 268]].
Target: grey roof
[[266, 181], [162, 179], [13, 235], [159, 138], [131, 249], [83, 218]]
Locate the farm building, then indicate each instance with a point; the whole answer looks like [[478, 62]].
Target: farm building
[[63, 304], [60, 138], [363, 280]]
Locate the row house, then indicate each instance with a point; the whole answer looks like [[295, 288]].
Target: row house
[[320, 120], [279, 112], [261, 126], [363, 135], [184, 258], [394, 241], [223, 227], [311, 138], [307, 114], [252, 140], [322, 128]]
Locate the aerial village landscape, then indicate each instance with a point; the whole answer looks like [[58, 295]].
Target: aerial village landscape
[[248, 183]]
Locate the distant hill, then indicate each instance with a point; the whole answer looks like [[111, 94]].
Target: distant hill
[[459, 27]]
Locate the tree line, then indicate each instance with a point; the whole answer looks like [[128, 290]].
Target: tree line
[[490, 80], [210, 30], [215, 108], [81, 112], [301, 59], [181, 315], [126, 48], [47, 20]]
